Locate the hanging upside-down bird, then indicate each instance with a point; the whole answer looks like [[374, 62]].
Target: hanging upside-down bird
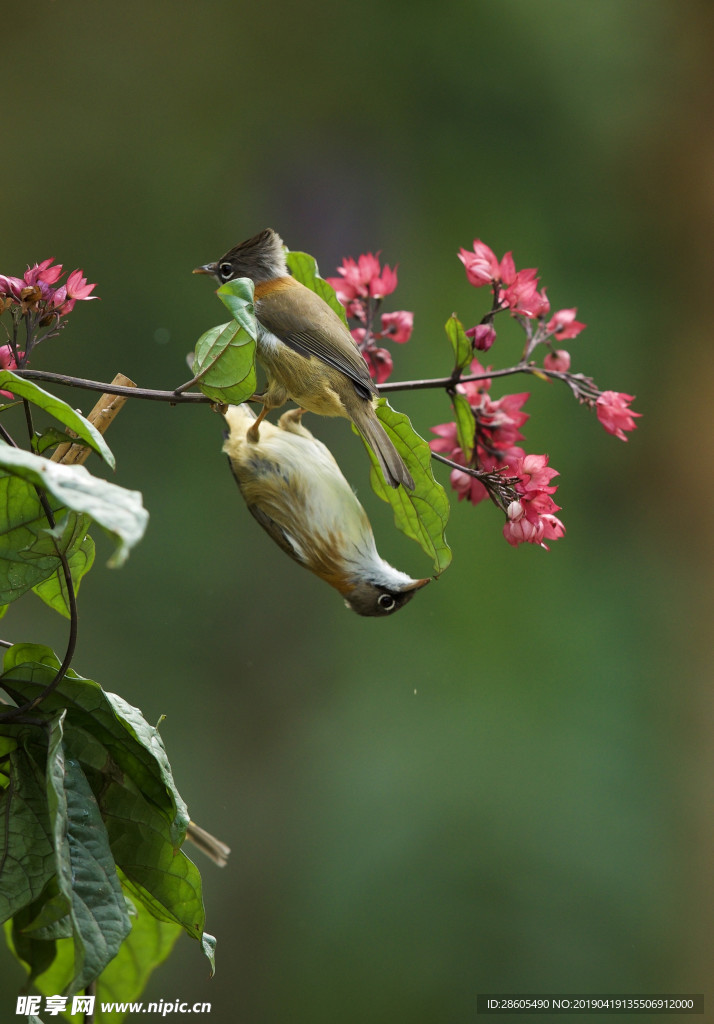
[[295, 489], [306, 350]]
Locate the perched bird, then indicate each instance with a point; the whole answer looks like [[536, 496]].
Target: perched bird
[[295, 489], [306, 350]]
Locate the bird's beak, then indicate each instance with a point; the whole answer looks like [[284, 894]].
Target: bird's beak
[[416, 585], [207, 268]]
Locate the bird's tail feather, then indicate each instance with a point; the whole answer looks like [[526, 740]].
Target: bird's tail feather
[[390, 461]]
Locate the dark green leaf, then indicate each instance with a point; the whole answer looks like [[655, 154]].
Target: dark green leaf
[[59, 409], [421, 514], [304, 269], [135, 747], [462, 346], [52, 920], [37, 954], [465, 424], [86, 872], [123, 980], [26, 849], [119, 511], [237, 296]]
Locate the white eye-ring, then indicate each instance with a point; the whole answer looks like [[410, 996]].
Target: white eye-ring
[[226, 270], [386, 602]]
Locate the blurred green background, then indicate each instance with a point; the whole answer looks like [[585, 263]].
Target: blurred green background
[[507, 787]]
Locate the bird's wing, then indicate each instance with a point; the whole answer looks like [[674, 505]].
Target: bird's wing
[[276, 312]]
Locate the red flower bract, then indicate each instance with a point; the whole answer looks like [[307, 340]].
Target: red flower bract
[[612, 408]]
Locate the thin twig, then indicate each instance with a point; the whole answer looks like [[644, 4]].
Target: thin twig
[[172, 397]]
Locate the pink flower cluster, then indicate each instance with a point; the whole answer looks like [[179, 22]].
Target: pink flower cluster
[[363, 278], [517, 291], [361, 286], [531, 512], [38, 289]]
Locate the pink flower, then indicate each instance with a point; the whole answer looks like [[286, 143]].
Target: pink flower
[[446, 439], [481, 265], [379, 362], [559, 361], [613, 412], [398, 326], [7, 362], [525, 524], [519, 529], [11, 286], [564, 325], [522, 295], [354, 308], [39, 286], [482, 336], [363, 277], [534, 475], [43, 273], [77, 287], [383, 284]]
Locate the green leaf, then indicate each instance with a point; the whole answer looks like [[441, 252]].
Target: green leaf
[[86, 872], [37, 954], [50, 438], [123, 980], [304, 269], [420, 514], [119, 511], [465, 424], [211, 346], [462, 346], [135, 747], [59, 409], [25, 837], [54, 590], [126, 763], [29, 550], [225, 361], [237, 296]]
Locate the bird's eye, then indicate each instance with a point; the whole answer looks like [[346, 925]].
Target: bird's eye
[[226, 271], [386, 602]]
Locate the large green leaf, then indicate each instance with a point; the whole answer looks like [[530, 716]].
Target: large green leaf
[[125, 763], [59, 409], [86, 872], [462, 346], [119, 511], [29, 549], [224, 360], [304, 269], [421, 514], [123, 980], [135, 747]]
